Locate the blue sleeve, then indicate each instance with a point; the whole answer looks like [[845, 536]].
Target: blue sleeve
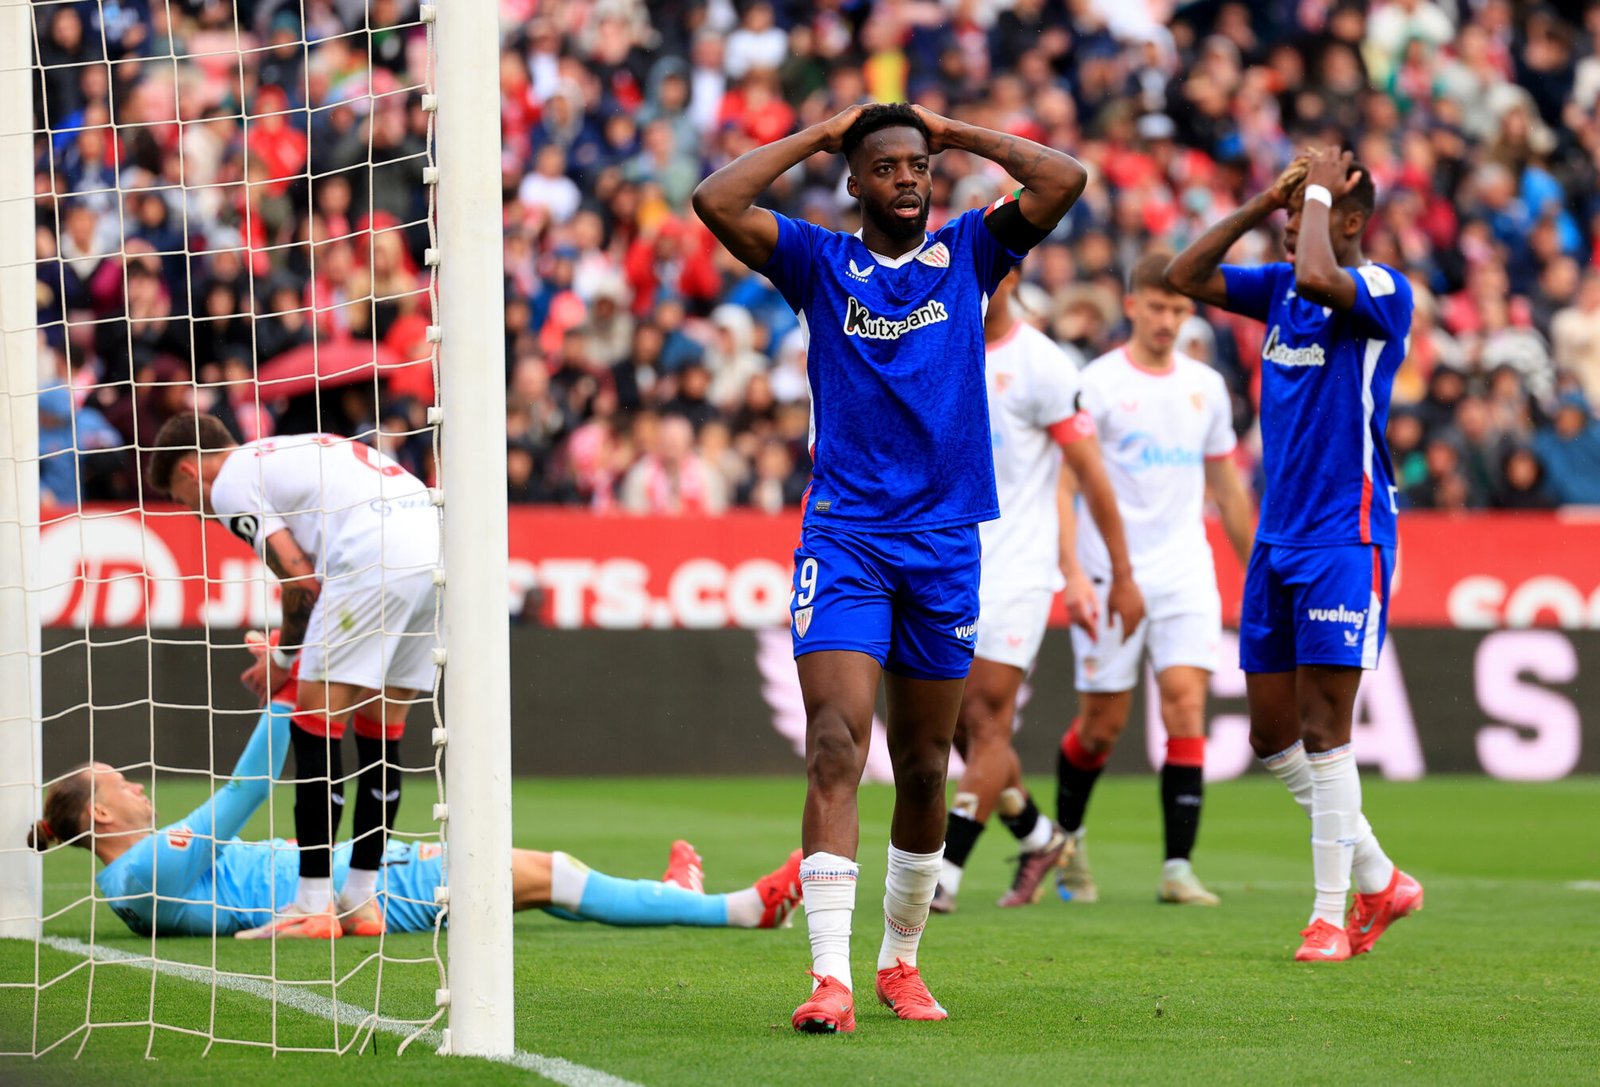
[[1383, 302], [183, 850], [792, 262], [991, 257], [1250, 290]]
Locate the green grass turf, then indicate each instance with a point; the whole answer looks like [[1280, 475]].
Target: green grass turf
[[1497, 980]]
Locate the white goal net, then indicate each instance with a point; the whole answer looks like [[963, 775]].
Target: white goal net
[[238, 209]]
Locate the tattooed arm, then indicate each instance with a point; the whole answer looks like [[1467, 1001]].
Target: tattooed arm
[[300, 592], [1051, 180]]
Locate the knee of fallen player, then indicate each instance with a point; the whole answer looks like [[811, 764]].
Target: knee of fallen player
[[833, 759]]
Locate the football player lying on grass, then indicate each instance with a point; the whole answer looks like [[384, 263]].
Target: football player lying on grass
[[195, 877]]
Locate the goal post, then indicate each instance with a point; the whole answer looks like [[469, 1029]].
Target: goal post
[[20, 869], [477, 683]]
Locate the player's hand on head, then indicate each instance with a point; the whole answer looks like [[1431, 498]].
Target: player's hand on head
[[938, 129], [837, 125], [1126, 603], [1330, 168], [1293, 176], [1083, 605]]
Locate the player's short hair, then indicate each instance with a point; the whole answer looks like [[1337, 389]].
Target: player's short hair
[[1150, 271], [185, 433], [876, 118], [1364, 197], [65, 811]]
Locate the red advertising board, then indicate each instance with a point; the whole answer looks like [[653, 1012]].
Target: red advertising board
[[162, 568]]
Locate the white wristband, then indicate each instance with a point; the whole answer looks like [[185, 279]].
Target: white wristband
[[283, 660], [1319, 194]]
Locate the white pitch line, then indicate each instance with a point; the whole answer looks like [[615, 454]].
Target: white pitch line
[[1584, 885], [342, 1012]]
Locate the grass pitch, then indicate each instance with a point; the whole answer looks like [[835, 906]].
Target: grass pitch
[[1497, 980]]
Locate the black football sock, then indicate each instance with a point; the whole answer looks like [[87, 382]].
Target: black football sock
[[1021, 824], [960, 835], [377, 800], [318, 804], [1077, 769], [1182, 791]]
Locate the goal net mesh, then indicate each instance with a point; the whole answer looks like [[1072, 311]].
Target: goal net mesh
[[232, 213]]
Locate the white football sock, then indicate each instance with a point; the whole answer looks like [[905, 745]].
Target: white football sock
[[1175, 868], [360, 884], [828, 889], [950, 876], [907, 891], [1371, 868], [1335, 821], [568, 877], [314, 894], [744, 908], [1039, 836]]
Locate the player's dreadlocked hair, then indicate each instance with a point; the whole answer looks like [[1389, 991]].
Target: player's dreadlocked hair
[[878, 117]]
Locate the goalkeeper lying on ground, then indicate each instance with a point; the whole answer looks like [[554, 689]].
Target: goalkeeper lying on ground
[[195, 877]]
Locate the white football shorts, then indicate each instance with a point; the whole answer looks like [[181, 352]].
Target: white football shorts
[[1180, 628], [373, 634], [1011, 625]]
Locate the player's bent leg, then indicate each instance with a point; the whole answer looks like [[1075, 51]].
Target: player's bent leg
[[988, 707], [1182, 690], [378, 721]]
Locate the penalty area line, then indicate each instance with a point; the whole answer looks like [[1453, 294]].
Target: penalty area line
[[559, 1069]]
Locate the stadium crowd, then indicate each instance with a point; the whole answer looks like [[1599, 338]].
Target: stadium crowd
[[646, 370]]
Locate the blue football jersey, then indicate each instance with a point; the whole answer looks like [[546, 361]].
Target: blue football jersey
[[899, 415], [1325, 382]]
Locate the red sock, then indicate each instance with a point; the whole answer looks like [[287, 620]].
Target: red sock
[[1077, 754], [1186, 750]]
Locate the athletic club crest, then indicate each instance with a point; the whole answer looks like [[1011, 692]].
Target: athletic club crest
[[802, 620], [936, 257], [1198, 400], [1002, 382]]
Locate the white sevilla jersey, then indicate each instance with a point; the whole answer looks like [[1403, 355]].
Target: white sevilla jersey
[[349, 507], [1033, 408], [1157, 430]]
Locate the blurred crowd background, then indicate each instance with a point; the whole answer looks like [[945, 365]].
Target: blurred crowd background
[[217, 229]]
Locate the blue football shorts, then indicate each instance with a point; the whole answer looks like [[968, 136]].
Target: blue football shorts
[[909, 600], [1314, 605]]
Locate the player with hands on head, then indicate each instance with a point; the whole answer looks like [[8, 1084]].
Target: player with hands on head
[[1166, 423], [354, 540], [1042, 438], [886, 574], [1317, 589]]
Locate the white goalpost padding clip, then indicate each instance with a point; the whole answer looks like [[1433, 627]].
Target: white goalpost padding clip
[[441, 737]]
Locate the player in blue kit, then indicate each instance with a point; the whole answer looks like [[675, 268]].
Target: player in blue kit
[[196, 878], [886, 574], [1317, 589]]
